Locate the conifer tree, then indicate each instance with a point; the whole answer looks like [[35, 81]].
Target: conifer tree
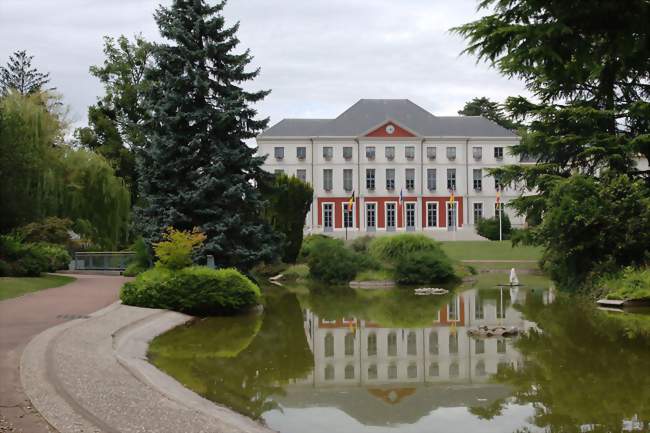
[[195, 169], [20, 76]]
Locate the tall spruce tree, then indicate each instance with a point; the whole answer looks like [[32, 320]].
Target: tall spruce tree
[[195, 169], [20, 76]]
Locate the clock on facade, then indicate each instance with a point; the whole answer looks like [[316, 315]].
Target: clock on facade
[[390, 129]]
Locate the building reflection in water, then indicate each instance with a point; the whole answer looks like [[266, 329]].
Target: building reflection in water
[[352, 352]]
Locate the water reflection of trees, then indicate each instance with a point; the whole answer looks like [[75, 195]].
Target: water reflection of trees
[[277, 354], [584, 370]]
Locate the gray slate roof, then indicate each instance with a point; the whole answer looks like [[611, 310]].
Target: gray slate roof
[[367, 114]]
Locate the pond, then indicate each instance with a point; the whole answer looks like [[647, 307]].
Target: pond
[[323, 361]]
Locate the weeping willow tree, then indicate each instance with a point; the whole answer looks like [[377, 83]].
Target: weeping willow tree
[[93, 193], [43, 176], [28, 159]]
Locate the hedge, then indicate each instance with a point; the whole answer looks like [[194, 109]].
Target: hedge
[[196, 290]]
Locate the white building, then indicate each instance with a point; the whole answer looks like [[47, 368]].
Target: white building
[[381, 149]]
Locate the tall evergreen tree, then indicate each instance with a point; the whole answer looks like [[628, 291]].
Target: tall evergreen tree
[[20, 76], [195, 169], [489, 109]]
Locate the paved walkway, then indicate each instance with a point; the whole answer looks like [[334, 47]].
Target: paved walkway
[[24, 317], [91, 375]]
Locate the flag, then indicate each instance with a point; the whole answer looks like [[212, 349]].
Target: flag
[[498, 195], [401, 197], [451, 197], [351, 201]]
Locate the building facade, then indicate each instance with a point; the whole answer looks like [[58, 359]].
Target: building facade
[[407, 169]]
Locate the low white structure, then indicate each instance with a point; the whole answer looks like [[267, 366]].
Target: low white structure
[[401, 162]]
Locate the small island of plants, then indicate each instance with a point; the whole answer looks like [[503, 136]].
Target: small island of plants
[[402, 258]]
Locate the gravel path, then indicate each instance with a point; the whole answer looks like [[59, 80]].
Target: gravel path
[[26, 316]]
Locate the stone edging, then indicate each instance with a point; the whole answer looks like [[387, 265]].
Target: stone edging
[[65, 411], [131, 344]]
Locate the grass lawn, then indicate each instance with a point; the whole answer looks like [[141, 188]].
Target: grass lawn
[[10, 287], [489, 250]]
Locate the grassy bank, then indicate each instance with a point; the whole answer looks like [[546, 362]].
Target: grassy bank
[[11, 287], [490, 250]]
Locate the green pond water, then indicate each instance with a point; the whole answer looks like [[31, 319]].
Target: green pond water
[[325, 360]]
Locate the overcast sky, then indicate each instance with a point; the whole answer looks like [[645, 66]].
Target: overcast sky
[[317, 56]]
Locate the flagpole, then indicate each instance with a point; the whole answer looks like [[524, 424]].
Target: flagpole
[[500, 214]]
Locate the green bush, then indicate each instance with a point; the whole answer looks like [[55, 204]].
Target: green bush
[[133, 269], [361, 244], [331, 262], [489, 227], [30, 260], [51, 230], [5, 269], [424, 267], [309, 243], [196, 290], [393, 249], [57, 257], [629, 284]]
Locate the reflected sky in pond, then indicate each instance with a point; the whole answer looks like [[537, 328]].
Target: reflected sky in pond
[[387, 361]]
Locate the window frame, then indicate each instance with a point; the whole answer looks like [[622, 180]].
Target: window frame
[[451, 153], [301, 153], [348, 181], [278, 153], [371, 181], [435, 179], [327, 171], [328, 153]]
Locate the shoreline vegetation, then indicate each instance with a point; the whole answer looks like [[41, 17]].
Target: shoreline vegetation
[[380, 263]]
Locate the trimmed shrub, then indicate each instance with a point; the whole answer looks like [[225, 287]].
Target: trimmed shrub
[[489, 227], [196, 290], [393, 249], [331, 262], [423, 267]]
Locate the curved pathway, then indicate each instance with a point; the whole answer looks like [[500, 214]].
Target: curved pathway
[[92, 375], [26, 316]]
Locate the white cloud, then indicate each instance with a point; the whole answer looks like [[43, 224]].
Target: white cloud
[[318, 56]]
